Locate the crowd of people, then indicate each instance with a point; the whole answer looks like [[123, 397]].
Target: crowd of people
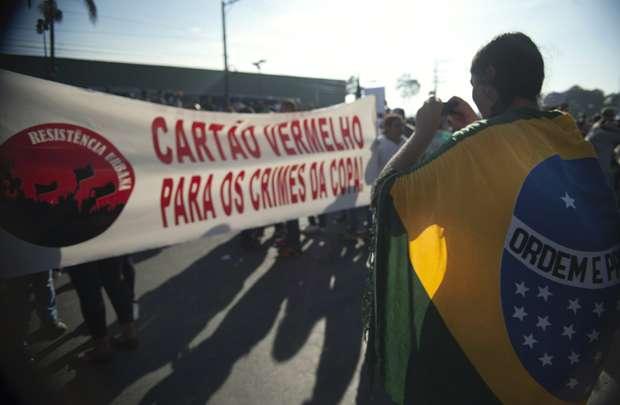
[[205, 102]]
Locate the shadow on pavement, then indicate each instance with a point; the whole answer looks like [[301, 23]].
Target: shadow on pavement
[[172, 315], [324, 283]]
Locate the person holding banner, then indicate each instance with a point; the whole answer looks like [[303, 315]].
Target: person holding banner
[[496, 274], [88, 279], [290, 245]]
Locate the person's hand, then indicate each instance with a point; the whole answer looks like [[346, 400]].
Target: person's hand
[[428, 118], [462, 115]]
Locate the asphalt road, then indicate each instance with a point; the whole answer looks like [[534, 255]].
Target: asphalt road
[[221, 324]]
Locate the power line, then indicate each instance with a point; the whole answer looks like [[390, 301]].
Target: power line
[[124, 19], [124, 34], [96, 51]]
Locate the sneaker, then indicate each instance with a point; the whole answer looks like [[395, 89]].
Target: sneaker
[[288, 251], [281, 243], [54, 329]]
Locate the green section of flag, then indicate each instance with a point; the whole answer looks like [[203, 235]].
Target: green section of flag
[[415, 356]]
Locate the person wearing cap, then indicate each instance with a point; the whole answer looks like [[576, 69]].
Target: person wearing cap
[[604, 137]]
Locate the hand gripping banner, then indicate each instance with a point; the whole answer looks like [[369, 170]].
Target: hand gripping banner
[[86, 175]]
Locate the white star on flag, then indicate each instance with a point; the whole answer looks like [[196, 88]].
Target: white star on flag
[[519, 313], [543, 323], [574, 358], [529, 341], [598, 309], [521, 288], [544, 293], [568, 331], [572, 383], [592, 336], [570, 202], [546, 359], [573, 305]]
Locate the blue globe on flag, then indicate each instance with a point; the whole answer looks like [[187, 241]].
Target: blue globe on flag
[[560, 275]]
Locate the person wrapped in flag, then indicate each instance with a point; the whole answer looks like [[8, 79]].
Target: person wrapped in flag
[[496, 269]]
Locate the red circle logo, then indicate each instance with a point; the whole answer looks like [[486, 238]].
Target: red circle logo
[[61, 184]]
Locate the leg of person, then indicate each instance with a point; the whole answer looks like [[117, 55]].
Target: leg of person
[[45, 298], [323, 221], [110, 273], [352, 223], [18, 376], [15, 319], [85, 279], [293, 242], [129, 276], [279, 230]]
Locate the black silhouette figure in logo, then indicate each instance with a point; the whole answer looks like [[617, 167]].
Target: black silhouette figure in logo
[[82, 173], [45, 188], [68, 220]]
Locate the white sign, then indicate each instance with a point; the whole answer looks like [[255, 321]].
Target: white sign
[[86, 175]]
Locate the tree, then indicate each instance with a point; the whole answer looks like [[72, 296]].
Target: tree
[[51, 15], [581, 101], [407, 86]]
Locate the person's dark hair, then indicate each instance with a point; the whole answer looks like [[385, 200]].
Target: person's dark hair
[[399, 111], [518, 64], [389, 119]]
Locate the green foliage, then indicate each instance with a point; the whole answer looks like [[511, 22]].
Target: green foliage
[[582, 101], [407, 86]]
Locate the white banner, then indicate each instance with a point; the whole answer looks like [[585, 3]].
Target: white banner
[[86, 175]]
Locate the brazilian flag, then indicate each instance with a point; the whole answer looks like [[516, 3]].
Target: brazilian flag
[[496, 268]]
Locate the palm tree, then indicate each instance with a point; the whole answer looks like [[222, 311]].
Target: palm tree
[[51, 15]]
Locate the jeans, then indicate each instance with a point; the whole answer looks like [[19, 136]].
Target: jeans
[[45, 296], [88, 278], [129, 276]]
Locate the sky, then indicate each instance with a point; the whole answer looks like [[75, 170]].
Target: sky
[[378, 40]]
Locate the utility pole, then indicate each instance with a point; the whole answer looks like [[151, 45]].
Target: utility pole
[[435, 80], [226, 79], [226, 99], [44, 45]]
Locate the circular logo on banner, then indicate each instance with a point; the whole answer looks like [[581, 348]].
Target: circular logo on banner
[[61, 184], [560, 275]]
